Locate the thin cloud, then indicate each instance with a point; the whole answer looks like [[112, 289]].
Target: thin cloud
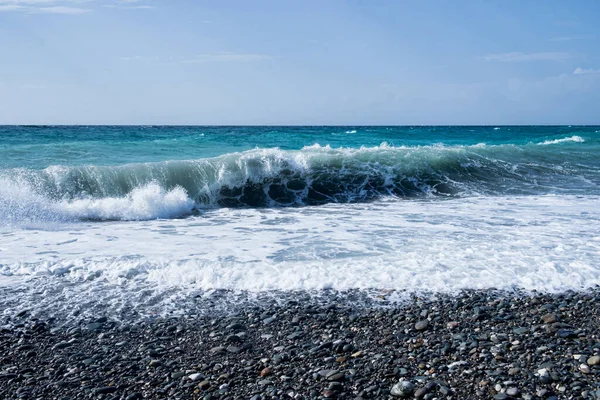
[[526, 57], [62, 10], [582, 71], [226, 57], [131, 58], [35, 2], [130, 7], [44, 6], [571, 38], [11, 7], [70, 7]]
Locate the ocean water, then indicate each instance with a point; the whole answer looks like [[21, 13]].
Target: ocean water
[[148, 218]]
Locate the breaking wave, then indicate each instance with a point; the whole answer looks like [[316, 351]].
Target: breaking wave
[[276, 178]]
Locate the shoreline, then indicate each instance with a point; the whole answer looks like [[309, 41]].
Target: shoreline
[[477, 344]]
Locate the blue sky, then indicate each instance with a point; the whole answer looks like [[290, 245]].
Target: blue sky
[[299, 62]]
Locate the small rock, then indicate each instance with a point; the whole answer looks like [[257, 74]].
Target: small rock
[[236, 327], [549, 318], [594, 360], [204, 385], [584, 368], [94, 326], [233, 339], [422, 392], [336, 377], [452, 324], [422, 325], [403, 389], [155, 363], [218, 349], [512, 391], [444, 390], [61, 345], [265, 372], [234, 349], [195, 377], [106, 390]]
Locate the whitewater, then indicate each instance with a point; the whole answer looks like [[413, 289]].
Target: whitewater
[[378, 210]]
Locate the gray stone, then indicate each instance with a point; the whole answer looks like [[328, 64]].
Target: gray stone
[[444, 390], [94, 326], [204, 385], [218, 349], [234, 349], [549, 318], [594, 360], [106, 390], [566, 334], [61, 345], [403, 389], [336, 377], [233, 339], [422, 325], [195, 377]]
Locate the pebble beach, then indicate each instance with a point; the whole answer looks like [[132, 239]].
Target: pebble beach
[[470, 345]]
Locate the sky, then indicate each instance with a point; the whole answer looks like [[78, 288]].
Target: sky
[[299, 62]]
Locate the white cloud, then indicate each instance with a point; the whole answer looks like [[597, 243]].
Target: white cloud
[[524, 57], [581, 71]]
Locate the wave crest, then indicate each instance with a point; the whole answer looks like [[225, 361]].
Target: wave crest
[[274, 178], [576, 139]]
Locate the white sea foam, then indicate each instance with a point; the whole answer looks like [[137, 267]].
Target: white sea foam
[[20, 205], [576, 139], [547, 243]]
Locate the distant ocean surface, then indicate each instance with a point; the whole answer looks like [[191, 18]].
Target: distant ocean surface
[[147, 217]]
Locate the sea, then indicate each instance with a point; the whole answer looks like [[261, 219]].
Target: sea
[[149, 220]]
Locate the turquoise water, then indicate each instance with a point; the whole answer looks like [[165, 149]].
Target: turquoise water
[[183, 170], [40, 147]]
